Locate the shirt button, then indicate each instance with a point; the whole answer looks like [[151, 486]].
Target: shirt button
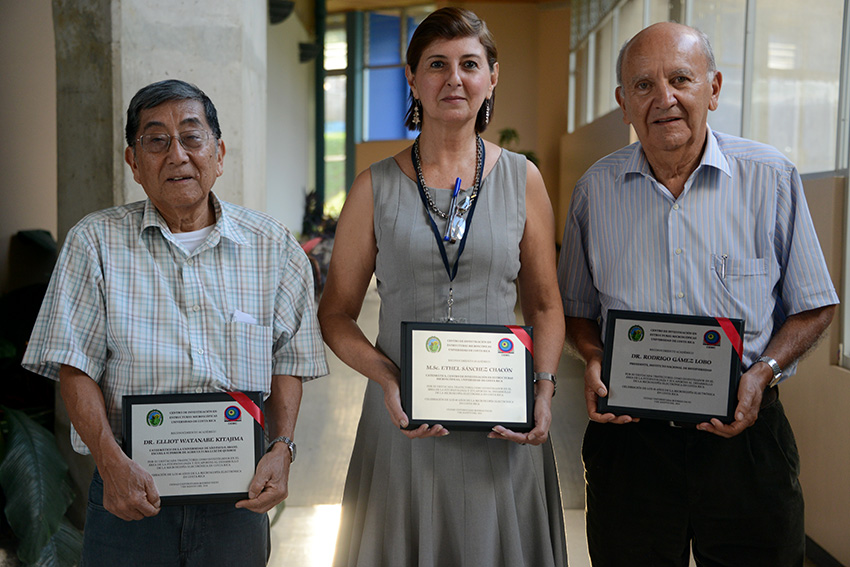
[[200, 351], [196, 308], [678, 251], [676, 206], [199, 390], [680, 295], [190, 261]]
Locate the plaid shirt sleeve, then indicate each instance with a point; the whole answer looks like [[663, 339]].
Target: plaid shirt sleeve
[[298, 349], [71, 326]]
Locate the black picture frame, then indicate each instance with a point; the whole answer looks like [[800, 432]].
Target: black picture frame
[[612, 348], [409, 404], [165, 400]]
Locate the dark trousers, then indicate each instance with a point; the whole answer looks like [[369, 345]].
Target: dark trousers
[[179, 536], [654, 490]]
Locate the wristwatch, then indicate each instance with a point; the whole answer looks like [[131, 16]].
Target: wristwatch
[[289, 443], [546, 376], [777, 371]]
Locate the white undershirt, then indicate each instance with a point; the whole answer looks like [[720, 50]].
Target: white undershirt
[[191, 240]]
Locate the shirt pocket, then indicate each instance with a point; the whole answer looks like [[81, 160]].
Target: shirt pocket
[[249, 356], [741, 289]]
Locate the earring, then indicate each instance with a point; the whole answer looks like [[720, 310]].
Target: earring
[[416, 120], [487, 111]]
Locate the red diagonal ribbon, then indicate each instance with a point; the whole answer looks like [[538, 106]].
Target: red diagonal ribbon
[[249, 406], [523, 337], [733, 335]]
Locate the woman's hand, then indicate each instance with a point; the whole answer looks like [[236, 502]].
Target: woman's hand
[[542, 419], [392, 400]]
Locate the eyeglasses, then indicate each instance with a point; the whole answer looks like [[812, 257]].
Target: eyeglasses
[[158, 143]]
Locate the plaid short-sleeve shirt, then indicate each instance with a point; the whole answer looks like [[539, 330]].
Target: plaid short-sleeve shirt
[[132, 308]]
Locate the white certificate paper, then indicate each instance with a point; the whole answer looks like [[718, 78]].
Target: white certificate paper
[[195, 450], [471, 375]]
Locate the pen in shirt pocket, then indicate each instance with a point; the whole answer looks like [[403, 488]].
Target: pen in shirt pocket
[[723, 259]]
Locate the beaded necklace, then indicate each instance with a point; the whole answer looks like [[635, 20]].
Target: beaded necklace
[[417, 164]]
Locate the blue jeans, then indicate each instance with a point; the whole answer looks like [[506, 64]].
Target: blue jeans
[[179, 536]]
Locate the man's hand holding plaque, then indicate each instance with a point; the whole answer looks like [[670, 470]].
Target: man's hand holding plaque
[[671, 367]]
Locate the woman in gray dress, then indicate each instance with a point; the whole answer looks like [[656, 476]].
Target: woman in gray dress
[[424, 497]]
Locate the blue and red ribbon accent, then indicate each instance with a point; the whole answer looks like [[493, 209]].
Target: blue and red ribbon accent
[[732, 334], [523, 337], [249, 406]]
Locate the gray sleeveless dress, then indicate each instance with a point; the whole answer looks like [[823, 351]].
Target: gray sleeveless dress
[[461, 500]]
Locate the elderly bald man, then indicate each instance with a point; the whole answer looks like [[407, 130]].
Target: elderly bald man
[[694, 222]]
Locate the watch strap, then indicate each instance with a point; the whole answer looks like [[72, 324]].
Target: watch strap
[[774, 366], [548, 376], [289, 443]]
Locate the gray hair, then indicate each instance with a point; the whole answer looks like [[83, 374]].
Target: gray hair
[[705, 44], [164, 91]]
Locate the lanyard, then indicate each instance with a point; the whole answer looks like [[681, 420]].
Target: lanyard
[[451, 271]]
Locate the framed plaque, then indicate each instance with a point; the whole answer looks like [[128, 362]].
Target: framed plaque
[[468, 377], [671, 367], [199, 448]]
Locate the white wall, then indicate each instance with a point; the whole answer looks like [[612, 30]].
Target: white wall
[[28, 116], [290, 170]]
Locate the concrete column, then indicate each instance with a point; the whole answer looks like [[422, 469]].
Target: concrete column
[[85, 117]]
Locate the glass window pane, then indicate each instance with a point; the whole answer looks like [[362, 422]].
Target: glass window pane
[[336, 44], [796, 79], [724, 23], [387, 103], [605, 58], [384, 39], [659, 11], [334, 143], [415, 15], [385, 88], [581, 86], [631, 21]]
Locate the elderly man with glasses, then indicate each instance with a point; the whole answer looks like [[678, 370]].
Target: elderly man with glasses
[[180, 293]]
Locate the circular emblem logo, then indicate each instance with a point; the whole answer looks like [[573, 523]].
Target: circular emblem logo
[[506, 345], [155, 418], [232, 413], [636, 333], [433, 344], [711, 338]]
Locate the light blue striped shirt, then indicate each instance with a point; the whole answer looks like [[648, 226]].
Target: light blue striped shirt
[[739, 241], [130, 307]]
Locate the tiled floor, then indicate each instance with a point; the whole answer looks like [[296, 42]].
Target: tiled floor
[[304, 534]]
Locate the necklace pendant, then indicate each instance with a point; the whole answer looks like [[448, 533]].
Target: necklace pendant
[[450, 318]]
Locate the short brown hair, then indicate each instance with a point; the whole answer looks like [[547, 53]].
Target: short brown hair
[[450, 23]]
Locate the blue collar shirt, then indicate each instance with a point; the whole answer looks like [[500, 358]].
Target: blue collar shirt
[[738, 242]]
